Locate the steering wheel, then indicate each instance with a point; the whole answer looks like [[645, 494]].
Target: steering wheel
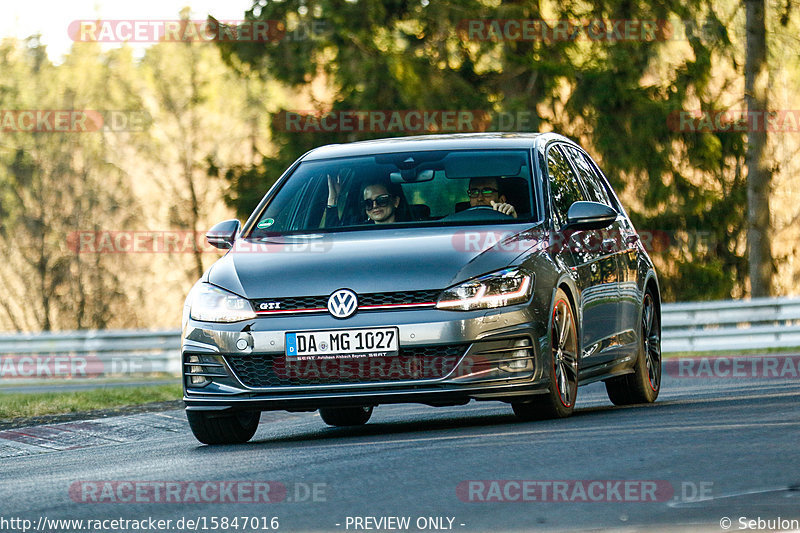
[[485, 213], [490, 208]]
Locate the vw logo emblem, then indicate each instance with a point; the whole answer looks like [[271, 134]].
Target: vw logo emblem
[[342, 303]]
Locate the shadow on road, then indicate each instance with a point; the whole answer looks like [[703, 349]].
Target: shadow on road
[[440, 425]]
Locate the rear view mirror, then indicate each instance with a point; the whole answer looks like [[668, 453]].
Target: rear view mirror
[[411, 176], [223, 234], [589, 215]]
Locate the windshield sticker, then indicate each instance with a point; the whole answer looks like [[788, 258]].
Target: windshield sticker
[[264, 224]]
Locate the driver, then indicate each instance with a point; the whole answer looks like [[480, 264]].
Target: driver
[[484, 191]]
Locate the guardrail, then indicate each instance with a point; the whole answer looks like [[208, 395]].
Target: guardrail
[[760, 323], [731, 325], [89, 353]]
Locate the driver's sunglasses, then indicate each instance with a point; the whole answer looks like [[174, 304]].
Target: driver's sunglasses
[[381, 201], [485, 191]]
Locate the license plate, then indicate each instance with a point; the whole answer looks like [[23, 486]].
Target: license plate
[[342, 343]]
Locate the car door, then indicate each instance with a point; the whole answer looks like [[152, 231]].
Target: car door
[[628, 248], [597, 270]]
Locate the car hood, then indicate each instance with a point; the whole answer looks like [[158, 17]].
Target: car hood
[[368, 261]]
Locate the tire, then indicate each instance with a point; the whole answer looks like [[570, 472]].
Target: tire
[[210, 427], [644, 384], [345, 416], [559, 402]]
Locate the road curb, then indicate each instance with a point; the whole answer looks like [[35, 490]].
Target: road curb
[[23, 422]]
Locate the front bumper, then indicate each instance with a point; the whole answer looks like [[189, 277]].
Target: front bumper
[[446, 358]]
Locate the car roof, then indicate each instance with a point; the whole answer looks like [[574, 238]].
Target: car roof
[[456, 141]]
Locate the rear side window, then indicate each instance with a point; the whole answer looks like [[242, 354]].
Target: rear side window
[[591, 181], [564, 187]]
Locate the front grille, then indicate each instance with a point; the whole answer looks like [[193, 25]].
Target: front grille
[[412, 363], [295, 303], [307, 303], [398, 298]]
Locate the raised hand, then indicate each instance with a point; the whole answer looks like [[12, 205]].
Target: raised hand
[[334, 188]]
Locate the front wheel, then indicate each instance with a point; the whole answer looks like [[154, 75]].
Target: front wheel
[[345, 416], [210, 427], [559, 402], [644, 384]]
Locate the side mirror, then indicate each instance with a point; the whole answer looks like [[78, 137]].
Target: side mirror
[[589, 215], [223, 234]]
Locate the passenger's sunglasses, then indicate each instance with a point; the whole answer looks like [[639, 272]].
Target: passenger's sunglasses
[[485, 191], [381, 201]]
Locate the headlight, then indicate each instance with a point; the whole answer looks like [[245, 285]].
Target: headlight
[[505, 287], [212, 304]]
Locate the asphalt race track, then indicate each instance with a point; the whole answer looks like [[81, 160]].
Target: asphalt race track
[[708, 449]]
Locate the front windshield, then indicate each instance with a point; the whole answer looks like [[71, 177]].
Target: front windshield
[[448, 187]]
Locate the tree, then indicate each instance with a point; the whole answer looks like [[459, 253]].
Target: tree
[[615, 95], [193, 96], [759, 173], [53, 184]]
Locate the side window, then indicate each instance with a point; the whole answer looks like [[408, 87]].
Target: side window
[[564, 186], [591, 181]]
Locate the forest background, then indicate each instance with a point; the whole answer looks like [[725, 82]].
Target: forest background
[[195, 130]]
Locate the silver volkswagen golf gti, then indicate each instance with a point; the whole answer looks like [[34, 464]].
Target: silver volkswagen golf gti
[[435, 270]]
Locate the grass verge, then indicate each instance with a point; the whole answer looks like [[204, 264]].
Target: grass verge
[[18, 405]]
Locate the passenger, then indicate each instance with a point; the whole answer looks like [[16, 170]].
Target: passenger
[[484, 191], [380, 203]]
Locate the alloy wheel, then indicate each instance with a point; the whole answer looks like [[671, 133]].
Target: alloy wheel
[[565, 353], [651, 338]]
